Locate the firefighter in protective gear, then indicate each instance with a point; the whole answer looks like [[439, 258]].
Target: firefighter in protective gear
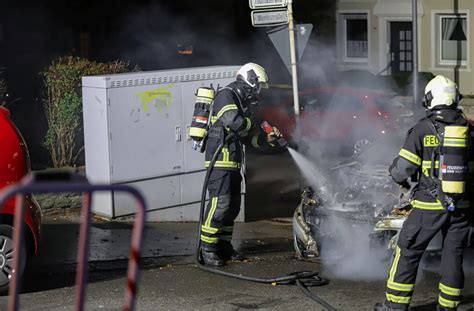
[[430, 214], [231, 114]]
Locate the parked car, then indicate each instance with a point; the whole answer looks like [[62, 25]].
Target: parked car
[[343, 116], [14, 164]]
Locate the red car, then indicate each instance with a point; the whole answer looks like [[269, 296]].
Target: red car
[[340, 116], [14, 164]]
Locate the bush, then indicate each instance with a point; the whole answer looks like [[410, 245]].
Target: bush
[[63, 104]]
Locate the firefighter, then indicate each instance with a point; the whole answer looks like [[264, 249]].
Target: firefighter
[[231, 114], [436, 151]]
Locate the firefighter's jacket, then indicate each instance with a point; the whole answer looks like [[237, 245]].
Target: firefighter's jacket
[[415, 158], [228, 115]]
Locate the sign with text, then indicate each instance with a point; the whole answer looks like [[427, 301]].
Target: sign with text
[[267, 18], [262, 4]]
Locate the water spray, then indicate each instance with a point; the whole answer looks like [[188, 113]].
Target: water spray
[[302, 279]]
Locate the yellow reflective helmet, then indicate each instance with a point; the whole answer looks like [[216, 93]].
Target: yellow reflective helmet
[[254, 75], [441, 91]]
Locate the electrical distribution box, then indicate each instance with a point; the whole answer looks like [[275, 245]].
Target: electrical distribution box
[[136, 129]]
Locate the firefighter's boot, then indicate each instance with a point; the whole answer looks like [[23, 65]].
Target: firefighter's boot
[[441, 308], [211, 258], [229, 253], [386, 307]]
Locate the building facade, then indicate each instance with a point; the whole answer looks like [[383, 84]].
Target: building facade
[[376, 35]]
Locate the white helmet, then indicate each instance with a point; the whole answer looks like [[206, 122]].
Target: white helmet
[[254, 75], [441, 91]]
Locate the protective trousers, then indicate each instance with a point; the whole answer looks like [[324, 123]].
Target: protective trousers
[[224, 206], [417, 232]]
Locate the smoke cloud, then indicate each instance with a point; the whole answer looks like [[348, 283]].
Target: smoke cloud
[[352, 126]]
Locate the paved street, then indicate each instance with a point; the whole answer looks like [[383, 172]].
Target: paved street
[[171, 281]]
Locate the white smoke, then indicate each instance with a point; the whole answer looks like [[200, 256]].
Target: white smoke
[[346, 251]]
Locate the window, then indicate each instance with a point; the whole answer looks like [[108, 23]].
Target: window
[[452, 39], [355, 36]]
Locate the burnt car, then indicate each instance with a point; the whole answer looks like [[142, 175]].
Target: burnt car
[[355, 193], [14, 164], [358, 191]]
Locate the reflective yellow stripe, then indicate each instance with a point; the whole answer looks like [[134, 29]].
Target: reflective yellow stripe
[[463, 204], [431, 206], [398, 299], [205, 94], [225, 154], [426, 166], [393, 269], [223, 164], [211, 212], [228, 228], [197, 132], [213, 120], [209, 240], [453, 186], [452, 131], [226, 108], [454, 142], [413, 158], [400, 287], [435, 206], [255, 141], [451, 291], [249, 124], [447, 303], [209, 229]]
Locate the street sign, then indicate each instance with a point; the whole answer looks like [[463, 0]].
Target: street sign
[[261, 4], [281, 41], [267, 18]]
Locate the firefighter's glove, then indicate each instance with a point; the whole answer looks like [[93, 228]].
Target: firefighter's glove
[[273, 135]]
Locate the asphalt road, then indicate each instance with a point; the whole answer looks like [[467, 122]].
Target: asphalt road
[[171, 281]]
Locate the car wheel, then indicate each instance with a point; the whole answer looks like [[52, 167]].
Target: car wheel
[[6, 258]]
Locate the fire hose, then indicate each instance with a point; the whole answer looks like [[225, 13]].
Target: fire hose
[[303, 279]]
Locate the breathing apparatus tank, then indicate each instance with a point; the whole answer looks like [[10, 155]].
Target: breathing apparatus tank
[[453, 164], [201, 117]]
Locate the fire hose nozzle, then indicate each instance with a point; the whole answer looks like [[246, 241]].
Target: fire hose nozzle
[[282, 142], [293, 145]]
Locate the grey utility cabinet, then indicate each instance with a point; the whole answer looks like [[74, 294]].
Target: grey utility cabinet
[[136, 133]]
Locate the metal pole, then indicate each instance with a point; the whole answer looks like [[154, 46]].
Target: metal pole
[[415, 51], [14, 288], [291, 32], [83, 253]]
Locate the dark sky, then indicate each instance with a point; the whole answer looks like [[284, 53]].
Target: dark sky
[[144, 32]]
